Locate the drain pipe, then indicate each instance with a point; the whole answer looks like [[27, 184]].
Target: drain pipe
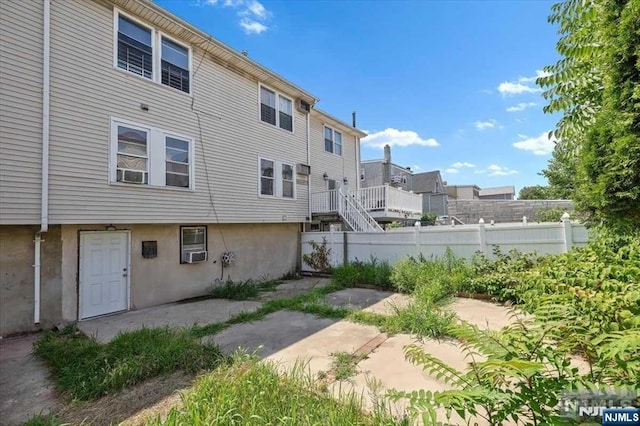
[[44, 202], [309, 164]]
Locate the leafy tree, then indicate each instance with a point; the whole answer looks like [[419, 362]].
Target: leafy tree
[[609, 165], [535, 192], [573, 87], [596, 85]]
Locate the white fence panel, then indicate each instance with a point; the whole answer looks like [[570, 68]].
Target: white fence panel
[[433, 241]]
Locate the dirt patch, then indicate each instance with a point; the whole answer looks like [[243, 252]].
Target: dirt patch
[[130, 406]]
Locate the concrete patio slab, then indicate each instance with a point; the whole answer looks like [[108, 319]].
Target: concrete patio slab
[[171, 315], [356, 298], [388, 369], [294, 288], [317, 349], [25, 389], [484, 314], [389, 305], [293, 337], [275, 332]]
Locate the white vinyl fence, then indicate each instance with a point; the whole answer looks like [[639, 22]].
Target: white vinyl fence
[[463, 240]]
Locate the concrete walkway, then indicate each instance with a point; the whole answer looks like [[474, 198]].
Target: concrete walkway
[[189, 313], [24, 386]]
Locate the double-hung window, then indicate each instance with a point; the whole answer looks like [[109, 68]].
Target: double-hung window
[[147, 52], [332, 141], [132, 163], [175, 65], [135, 47], [277, 179], [144, 155], [276, 109]]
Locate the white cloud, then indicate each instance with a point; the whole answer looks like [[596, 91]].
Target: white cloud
[[485, 91], [539, 73], [252, 27], [253, 15], [395, 137], [459, 165], [540, 145], [415, 167], [514, 88], [482, 125], [256, 9], [495, 170], [451, 171], [521, 106]]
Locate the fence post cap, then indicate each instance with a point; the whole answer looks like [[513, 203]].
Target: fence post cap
[[481, 221], [565, 216]]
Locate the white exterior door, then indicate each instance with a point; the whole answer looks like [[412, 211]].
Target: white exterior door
[[104, 273]]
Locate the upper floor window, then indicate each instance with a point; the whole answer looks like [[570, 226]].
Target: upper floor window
[[175, 65], [277, 179], [135, 49], [144, 155], [332, 141], [276, 109], [141, 48]]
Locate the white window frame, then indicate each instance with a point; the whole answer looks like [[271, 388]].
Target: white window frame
[[333, 140], [278, 180], [278, 96], [156, 155], [206, 240], [156, 51]]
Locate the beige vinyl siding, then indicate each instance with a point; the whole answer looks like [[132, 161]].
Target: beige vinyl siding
[[20, 111], [337, 167], [87, 91]]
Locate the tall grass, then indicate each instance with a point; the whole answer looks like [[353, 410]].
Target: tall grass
[[242, 290], [85, 369], [255, 393], [372, 272], [430, 280]]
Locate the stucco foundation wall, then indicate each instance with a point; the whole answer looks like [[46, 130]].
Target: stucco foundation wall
[[16, 279], [470, 211], [261, 251]]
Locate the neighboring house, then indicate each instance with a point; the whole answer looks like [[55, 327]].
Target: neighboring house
[[463, 192], [136, 150], [498, 193], [474, 192], [386, 190], [432, 188]]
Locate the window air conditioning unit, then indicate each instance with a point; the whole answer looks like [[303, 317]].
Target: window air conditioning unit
[[303, 169], [196, 256], [398, 179], [303, 106], [133, 176]]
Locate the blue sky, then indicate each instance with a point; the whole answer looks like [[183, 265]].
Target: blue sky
[[449, 84]]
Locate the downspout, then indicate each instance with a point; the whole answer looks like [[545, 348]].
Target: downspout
[[309, 164], [44, 202]]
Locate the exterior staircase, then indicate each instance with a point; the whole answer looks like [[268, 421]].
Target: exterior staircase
[[355, 215]]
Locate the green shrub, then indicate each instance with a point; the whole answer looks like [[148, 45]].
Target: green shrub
[[86, 369], [372, 272], [430, 280], [429, 219], [320, 257]]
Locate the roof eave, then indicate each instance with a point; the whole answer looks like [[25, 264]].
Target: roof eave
[[224, 53]]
